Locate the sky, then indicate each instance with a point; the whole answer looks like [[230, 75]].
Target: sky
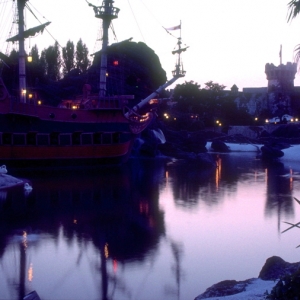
[[230, 41]]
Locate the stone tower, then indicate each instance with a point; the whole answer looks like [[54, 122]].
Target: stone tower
[[281, 77]]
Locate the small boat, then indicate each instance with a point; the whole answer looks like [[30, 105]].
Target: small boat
[[98, 129]]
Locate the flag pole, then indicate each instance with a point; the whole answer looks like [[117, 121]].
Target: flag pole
[[180, 28], [280, 54]]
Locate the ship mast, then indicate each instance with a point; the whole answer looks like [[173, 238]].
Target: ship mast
[[177, 73], [107, 12], [22, 69]]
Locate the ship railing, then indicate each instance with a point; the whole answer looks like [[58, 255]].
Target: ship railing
[[29, 108], [108, 102]]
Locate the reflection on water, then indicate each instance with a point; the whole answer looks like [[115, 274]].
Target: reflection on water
[[147, 230]]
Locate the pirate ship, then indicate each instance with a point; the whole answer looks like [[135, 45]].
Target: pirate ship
[[98, 129]]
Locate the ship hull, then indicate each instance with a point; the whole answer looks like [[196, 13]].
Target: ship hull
[[45, 135]]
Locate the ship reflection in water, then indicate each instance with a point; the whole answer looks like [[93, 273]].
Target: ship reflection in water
[[149, 229]]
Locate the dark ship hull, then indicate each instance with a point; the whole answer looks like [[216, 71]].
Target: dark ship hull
[[44, 133]]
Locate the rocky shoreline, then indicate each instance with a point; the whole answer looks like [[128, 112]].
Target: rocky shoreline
[[275, 269], [192, 145]]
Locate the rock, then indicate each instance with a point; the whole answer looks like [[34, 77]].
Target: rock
[[275, 267], [265, 133], [219, 146], [288, 131], [270, 152], [225, 288]]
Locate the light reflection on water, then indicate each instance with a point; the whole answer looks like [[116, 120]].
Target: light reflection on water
[[146, 230]]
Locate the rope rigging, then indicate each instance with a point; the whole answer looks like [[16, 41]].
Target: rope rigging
[[29, 8], [136, 21]]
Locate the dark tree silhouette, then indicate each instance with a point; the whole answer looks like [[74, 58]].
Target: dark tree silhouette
[[187, 95], [53, 60], [293, 11], [82, 61], [68, 54]]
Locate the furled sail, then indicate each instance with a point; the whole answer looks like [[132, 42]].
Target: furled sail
[[29, 32]]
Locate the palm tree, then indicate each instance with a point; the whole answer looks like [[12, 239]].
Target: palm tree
[[293, 11]]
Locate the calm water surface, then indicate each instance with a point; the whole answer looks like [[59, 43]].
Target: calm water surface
[[152, 229]]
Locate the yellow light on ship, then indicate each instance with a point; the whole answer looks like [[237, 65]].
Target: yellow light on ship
[[30, 96], [267, 121], [217, 121], [153, 101], [74, 107], [256, 119], [39, 102], [24, 92], [296, 120], [29, 58]]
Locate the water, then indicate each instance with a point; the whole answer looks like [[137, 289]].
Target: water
[[151, 229]]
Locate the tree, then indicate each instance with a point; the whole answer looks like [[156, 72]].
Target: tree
[[186, 95], [68, 57], [34, 52], [82, 61], [53, 60], [215, 88], [35, 69], [293, 11]]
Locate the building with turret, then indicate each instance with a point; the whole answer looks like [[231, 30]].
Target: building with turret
[[281, 77], [279, 97]]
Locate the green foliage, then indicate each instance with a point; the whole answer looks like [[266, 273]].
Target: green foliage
[[82, 52], [34, 52], [215, 88], [210, 103], [36, 70], [53, 61], [187, 96], [68, 54], [294, 9]]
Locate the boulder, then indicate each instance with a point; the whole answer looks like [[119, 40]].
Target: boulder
[[287, 131], [275, 267], [219, 146], [270, 152], [225, 288]]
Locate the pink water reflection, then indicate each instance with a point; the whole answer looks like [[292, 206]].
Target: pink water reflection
[[154, 231]]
